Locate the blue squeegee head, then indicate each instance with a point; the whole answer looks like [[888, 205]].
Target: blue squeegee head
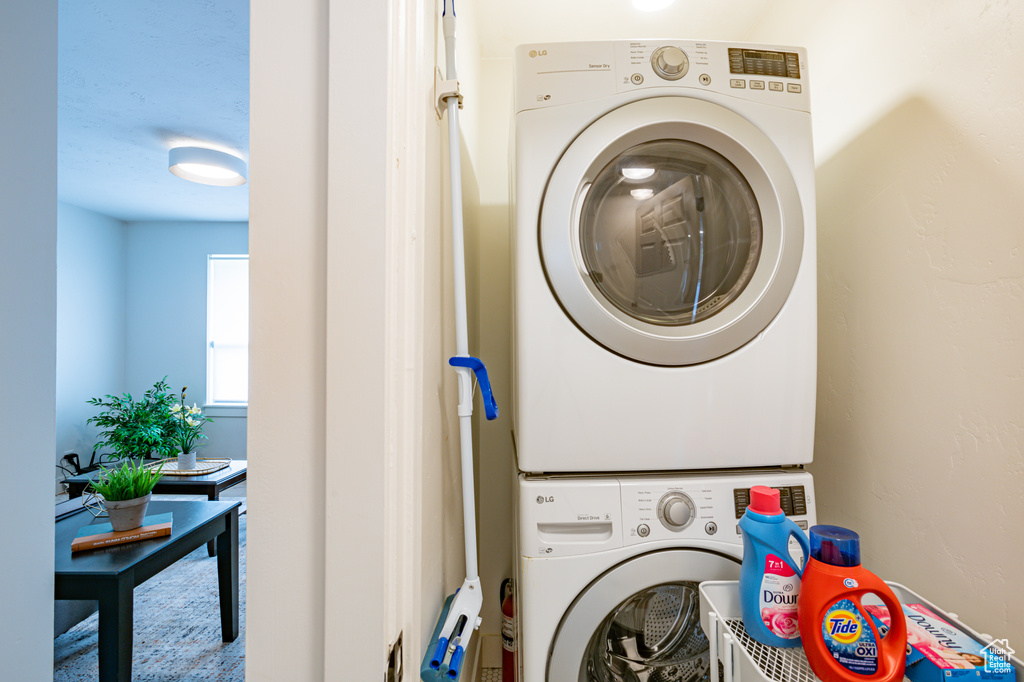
[[450, 672]]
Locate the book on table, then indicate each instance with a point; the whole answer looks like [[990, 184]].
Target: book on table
[[103, 535]]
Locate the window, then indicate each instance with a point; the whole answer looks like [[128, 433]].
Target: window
[[227, 330]]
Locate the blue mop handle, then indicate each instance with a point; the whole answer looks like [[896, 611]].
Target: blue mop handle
[[439, 652], [455, 665], [477, 365]]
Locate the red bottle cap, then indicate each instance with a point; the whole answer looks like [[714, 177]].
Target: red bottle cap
[[764, 500]]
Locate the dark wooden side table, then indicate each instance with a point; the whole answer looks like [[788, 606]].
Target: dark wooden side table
[[110, 575], [211, 484]]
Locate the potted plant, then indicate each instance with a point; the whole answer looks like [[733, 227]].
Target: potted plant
[[188, 429], [137, 428], [126, 492]]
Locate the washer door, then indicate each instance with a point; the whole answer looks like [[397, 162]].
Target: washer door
[[640, 621], [671, 231]]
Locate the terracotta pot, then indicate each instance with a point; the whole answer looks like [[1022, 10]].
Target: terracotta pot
[[127, 514], [186, 460]]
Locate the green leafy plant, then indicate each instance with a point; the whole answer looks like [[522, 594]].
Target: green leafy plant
[[188, 423], [135, 428], [129, 481]]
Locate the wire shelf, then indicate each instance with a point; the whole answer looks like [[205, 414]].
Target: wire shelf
[[746, 660], [778, 665]]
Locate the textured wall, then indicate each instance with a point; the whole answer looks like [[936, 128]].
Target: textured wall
[[917, 113]]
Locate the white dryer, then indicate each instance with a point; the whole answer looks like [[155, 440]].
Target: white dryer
[[664, 256], [608, 569]]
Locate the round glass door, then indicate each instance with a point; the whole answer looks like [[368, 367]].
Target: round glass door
[[640, 621], [654, 636], [671, 231]]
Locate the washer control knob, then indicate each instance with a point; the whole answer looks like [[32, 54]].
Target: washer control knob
[[670, 63], [675, 511]]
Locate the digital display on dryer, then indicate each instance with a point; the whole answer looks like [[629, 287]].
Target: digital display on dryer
[[764, 63]]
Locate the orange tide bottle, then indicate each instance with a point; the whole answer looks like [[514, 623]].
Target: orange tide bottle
[[840, 638]]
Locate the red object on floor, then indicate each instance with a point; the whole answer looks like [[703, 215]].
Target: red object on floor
[[508, 632]]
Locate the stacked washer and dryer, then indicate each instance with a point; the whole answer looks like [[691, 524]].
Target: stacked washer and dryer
[[664, 351]]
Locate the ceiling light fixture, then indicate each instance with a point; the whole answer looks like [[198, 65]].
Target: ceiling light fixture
[[642, 194], [207, 166], [651, 5]]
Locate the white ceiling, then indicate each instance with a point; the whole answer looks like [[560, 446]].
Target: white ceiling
[[137, 77]]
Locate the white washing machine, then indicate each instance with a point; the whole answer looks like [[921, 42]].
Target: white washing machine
[[664, 256], [608, 569]]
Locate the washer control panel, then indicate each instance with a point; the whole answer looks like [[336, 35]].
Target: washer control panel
[[575, 515], [672, 508]]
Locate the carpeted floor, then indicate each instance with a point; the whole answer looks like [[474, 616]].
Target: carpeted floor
[[177, 628]]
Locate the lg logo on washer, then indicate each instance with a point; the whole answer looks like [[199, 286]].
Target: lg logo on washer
[[541, 499], [538, 53]]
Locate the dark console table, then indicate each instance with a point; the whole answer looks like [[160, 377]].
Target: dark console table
[[211, 484], [110, 575]]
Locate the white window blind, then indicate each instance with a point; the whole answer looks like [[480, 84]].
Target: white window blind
[[227, 330]]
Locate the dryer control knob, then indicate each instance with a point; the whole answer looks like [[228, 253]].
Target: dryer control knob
[[670, 63], [675, 511]]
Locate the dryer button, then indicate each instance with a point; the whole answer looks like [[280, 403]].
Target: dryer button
[[670, 62]]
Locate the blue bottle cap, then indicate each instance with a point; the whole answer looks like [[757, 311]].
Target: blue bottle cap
[[835, 545]]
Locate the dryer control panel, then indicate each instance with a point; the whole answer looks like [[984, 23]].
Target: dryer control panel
[[575, 515], [553, 74]]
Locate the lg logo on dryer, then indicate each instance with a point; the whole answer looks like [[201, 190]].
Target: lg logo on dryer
[[538, 53], [541, 499]]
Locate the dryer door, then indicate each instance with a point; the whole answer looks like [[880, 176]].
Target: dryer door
[[671, 231], [640, 621]]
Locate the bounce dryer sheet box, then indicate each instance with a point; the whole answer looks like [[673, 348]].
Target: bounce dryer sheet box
[[938, 651]]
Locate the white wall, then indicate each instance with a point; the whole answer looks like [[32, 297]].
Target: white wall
[[350, 326], [28, 314], [90, 322], [921, 160], [287, 270], [165, 303], [918, 130]]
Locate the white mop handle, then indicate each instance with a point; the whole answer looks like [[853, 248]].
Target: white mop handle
[[461, 332]]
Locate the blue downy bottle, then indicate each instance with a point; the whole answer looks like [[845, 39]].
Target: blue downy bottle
[[769, 578]]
